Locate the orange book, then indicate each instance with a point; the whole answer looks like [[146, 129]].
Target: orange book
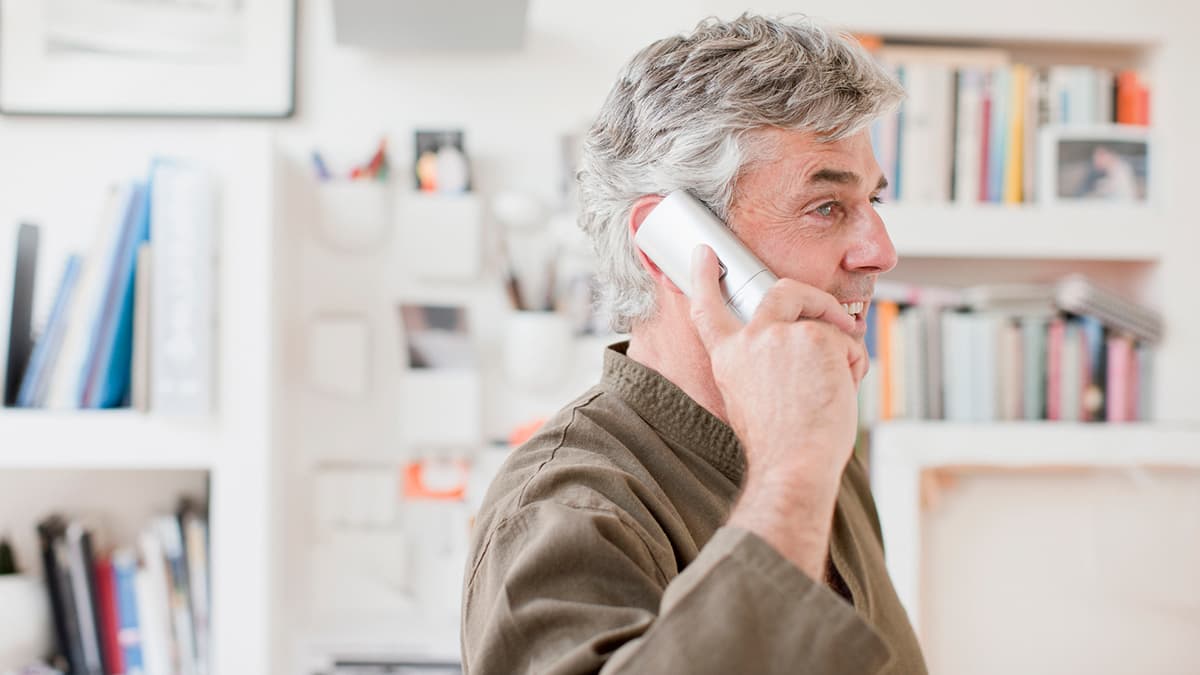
[[1013, 160], [887, 312]]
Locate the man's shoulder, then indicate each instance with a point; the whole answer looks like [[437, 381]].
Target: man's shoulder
[[576, 454]]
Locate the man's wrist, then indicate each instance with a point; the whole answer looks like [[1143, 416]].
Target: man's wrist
[[793, 519]]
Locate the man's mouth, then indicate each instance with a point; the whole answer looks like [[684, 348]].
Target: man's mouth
[[854, 309]]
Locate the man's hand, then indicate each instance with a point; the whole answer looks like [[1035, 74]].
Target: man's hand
[[789, 380]]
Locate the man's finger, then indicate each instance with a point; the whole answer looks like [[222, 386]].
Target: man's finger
[[790, 300], [859, 361], [714, 321]]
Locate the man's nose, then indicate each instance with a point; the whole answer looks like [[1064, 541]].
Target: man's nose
[[872, 251]]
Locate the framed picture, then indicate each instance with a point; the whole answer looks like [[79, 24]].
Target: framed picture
[[193, 58], [1090, 164]]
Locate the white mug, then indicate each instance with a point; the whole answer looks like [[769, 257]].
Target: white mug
[[25, 631]]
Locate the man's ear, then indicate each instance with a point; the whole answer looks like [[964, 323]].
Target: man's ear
[[642, 208]]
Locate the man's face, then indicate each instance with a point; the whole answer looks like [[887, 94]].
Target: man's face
[[808, 212]]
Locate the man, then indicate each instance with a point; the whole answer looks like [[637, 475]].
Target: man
[[699, 510]]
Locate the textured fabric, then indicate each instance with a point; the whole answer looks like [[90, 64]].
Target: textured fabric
[[601, 548]]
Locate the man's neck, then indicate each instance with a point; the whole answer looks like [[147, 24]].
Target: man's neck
[[668, 344]]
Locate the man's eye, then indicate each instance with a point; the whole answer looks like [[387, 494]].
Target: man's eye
[[876, 200], [826, 209]]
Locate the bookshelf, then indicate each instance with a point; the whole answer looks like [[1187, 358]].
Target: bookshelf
[[1028, 232], [121, 467], [106, 440]]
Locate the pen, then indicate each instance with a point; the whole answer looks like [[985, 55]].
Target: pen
[[319, 165]]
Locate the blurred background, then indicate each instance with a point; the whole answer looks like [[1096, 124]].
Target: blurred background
[[282, 282]]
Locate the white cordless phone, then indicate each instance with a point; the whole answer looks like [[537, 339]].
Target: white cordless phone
[[680, 223]]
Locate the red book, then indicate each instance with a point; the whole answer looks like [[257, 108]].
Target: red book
[[106, 595], [1120, 390], [1055, 335], [986, 107], [1127, 97]]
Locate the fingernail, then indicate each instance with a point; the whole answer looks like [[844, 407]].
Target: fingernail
[[697, 255]]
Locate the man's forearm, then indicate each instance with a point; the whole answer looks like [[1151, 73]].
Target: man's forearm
[[795, 520]]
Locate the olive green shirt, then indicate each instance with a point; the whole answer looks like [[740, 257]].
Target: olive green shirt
[[600, 547]]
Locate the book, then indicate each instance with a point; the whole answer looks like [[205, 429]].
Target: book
[[152, 584], [1071, 373], [1009, 370], [1094, 362], [1015, 134], [183, 293], [1119, 402], [968, 139], [106, 592], [139, 385], [104, 382], [20, 325], [178, 593], [1001, 109], [958, 367], [83, 319], [926, 142], [1055, 336], [1033, 367], [55, 569], [83, 589], [194, 525], [886, 318], [48, 345], [129, 637]]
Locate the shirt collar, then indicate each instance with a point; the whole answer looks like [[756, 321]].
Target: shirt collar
[[672, 413]]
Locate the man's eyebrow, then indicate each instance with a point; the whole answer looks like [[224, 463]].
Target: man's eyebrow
[[840, 177], [836, 176]]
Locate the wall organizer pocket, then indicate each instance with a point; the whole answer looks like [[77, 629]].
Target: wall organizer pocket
[[354, 217]]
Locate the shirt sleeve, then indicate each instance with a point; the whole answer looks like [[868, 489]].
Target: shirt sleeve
[[565, 589]]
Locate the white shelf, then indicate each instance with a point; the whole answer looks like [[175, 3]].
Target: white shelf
[[102, 439], [901, 451], [999, 231], [1035, 444]]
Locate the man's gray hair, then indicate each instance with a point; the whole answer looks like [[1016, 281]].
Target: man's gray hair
[[680, 116]]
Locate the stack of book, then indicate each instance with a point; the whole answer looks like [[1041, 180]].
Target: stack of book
[[131, 321], [134, 609], [969, 128], [1067, 351]]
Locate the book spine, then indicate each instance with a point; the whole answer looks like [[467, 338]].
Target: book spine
[[1119, 385], [1033, 360], [887, 312], [20, 325], [83, 588], [181, 315], [159, 650], [178, 594], [105, 380], [46, 349], [1055, 335], [998, 143], [967, 143], [1014, 153], [106, 592], [129, 635]]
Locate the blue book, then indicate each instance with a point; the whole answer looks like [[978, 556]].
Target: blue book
[[998, 133], [106, 376], [129, 634], [872, 333], [1095, 362], [45, 351]]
